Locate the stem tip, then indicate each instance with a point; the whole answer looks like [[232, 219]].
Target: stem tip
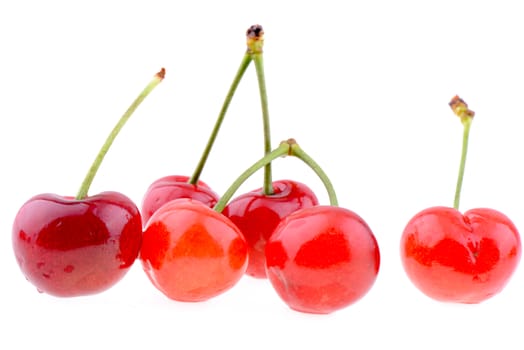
[[161, 74], [460, 108], [255, 38]]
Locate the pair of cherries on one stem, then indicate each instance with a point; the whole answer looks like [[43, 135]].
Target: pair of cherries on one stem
[[319, 259]]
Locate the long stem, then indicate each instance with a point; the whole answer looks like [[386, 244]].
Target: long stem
[[282, 150], [462, 166], [460, 108], [255, 43], [246, 60], [84, 188], [259, 65], [299, 153]]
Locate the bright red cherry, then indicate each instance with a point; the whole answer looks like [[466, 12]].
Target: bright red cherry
[[68, 247], [322, 259], [191, 252], [172, 187], [257, 215], [455, 257]]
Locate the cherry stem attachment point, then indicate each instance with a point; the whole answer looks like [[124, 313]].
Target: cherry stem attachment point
[[86, 184], [246, 60], [460, 108], [286, 148], [255, 46]]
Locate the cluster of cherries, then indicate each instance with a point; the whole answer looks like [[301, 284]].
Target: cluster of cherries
[[194, 244]]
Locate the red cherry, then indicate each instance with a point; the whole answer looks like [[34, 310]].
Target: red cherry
[[172, 187], [322, 259], [191, 252], [257, 215], [68, 247], [457, 257]]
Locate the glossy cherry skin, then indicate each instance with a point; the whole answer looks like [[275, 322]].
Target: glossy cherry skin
[[463, 258], [322, 259], [257, 215], [68, 247], [191, 252], [172, 187]]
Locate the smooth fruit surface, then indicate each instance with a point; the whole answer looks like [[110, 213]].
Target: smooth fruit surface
[[68, 247], [172, 187], [458, 257], [191, 252], [257, 215], [322, 259]]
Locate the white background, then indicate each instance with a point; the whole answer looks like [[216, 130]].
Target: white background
[[363, 86]]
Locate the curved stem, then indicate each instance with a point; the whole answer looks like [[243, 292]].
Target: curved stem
[[238, 77], [282, 150], [84, 188], [465, 139], [299, 153], [290, 148]]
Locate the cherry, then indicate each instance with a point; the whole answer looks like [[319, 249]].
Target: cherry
[[257, 215], [69, 247], [322, 259], [457, 257], [460, 257], [191, 252], [319, 259], [171, 187]]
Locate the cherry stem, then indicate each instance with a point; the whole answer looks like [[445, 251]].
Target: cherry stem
[[203, 159], [86, 184], [460, 108], [255, 44], [298, 152], [286, 148]]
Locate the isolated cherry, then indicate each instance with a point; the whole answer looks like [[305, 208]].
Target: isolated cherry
[[70, 247], [322, 259], [257, 215], [191, 252], [455, 257], [458, 257]]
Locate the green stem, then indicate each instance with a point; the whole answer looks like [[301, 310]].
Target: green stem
[[282, 150], [255, 46], [286, 148], [466, 122], [238, 77], [84, 188], [259, 65], [299, 153]]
